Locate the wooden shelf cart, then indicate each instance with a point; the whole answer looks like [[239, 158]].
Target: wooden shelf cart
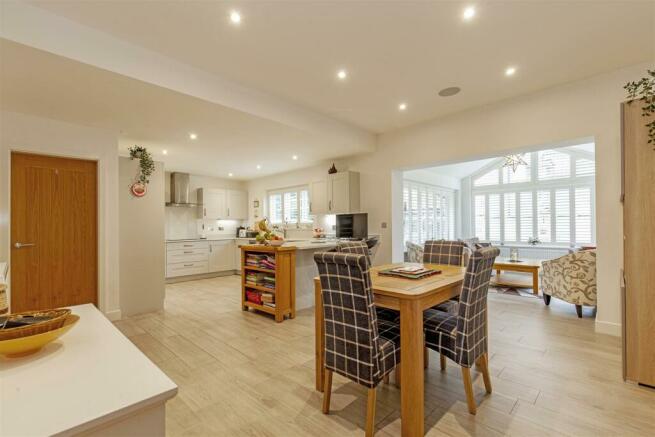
[[278, 279]]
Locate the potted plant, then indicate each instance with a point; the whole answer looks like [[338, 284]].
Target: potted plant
[[146, 168]]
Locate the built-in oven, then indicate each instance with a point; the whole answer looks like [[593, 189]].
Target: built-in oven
[[353, 226]]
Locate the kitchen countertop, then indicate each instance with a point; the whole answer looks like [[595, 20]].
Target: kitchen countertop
[[90, 377]]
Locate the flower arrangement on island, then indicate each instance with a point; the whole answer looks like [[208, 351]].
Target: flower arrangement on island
[[267, 235]]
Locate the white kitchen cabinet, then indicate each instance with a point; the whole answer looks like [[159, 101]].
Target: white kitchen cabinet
[[318, 192], [213, 203], [237, 205], [221, 255], [337, 193]]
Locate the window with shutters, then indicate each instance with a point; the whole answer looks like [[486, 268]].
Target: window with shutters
[[551, 199], [428, 212], [289, 206]]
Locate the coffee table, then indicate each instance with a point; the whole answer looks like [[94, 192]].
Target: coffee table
[[525, 265]]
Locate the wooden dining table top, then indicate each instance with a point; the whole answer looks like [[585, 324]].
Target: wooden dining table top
[[405, 288]]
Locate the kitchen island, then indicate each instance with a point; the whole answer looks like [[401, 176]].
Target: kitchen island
[[91, 381], [306, 269]]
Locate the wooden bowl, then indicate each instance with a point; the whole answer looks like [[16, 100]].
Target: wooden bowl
[[19, 347]]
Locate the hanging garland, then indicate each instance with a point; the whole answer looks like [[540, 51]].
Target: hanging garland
[[644, 89], [146, 168]]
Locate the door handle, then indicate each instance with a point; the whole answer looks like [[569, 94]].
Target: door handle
[[19, 245]]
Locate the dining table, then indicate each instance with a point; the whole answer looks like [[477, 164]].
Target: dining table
[[410, 297]]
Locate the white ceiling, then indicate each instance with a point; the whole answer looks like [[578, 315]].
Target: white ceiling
[[394, 51], [43, 84]]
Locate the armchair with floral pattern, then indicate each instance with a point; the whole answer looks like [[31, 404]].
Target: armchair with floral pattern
[[571, 278]]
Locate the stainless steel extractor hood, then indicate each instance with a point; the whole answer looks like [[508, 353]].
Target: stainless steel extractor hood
[[180, 190]]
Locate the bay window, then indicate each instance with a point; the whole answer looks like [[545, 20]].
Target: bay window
[[551, 199]]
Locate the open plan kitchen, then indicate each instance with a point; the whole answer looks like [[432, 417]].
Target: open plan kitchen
[[209, 221], [327, 218]]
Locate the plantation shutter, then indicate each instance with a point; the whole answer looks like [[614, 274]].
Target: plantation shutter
[[543, 216], [480, 217], [509, 209], [494, 217], [583, 209], [585, 167], [553, 165], [426, 212], [562, 216], [526, 215], [275, 208]]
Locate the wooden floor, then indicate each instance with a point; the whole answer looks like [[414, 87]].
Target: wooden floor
[[241, 373]]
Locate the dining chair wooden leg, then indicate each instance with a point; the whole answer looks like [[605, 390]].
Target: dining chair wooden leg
[[426, 357], [327, 391], [442, 361], [483, 364], [370, 413], [385, 379], [468, 388], [397, 376]]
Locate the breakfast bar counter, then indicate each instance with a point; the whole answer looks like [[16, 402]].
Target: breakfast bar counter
[[92, 380]]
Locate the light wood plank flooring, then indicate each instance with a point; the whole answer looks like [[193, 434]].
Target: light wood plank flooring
[[241, 373]]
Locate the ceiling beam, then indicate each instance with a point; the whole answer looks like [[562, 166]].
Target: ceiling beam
[[35, 27]]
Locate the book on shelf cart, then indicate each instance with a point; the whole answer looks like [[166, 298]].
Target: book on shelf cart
[[268, 280]]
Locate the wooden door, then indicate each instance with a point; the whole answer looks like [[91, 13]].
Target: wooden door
[[54, 256], [639, 246]]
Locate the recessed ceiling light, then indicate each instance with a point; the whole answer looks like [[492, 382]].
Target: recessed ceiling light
[[235, 17], [165, 152], [342, 74], [193, 135], [402, 106], [294, 157], [509, 71], [230, 174], [450, 91], [259, 167], [468, 13]]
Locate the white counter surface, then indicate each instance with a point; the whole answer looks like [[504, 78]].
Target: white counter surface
[[90, 377]]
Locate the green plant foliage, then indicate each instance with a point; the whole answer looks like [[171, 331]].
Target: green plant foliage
[[146, 164], [644, 91]]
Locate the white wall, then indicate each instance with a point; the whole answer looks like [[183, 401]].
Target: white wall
[[39, 135], [257, 188], [588, 108], [185, 222], [432, 178], [141, 241]]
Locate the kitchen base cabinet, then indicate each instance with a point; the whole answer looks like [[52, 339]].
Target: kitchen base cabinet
[[221, 256]]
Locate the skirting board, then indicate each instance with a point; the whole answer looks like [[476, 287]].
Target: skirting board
[[113, 315], [608, 328]]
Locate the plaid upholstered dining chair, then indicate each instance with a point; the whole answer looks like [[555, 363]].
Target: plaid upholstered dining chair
[[462, 337], [449, 253], [358, 345], [361, 248]]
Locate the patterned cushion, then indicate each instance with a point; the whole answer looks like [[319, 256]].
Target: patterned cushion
[[352, 343], [470, 334], [444, 252], [450, 306], [388, 314], [440, 331], [571, 278], [389, 345]]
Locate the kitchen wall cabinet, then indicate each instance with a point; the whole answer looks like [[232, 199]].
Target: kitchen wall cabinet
[[221, 256], [221, 204], [237, 205], [337, 193]]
